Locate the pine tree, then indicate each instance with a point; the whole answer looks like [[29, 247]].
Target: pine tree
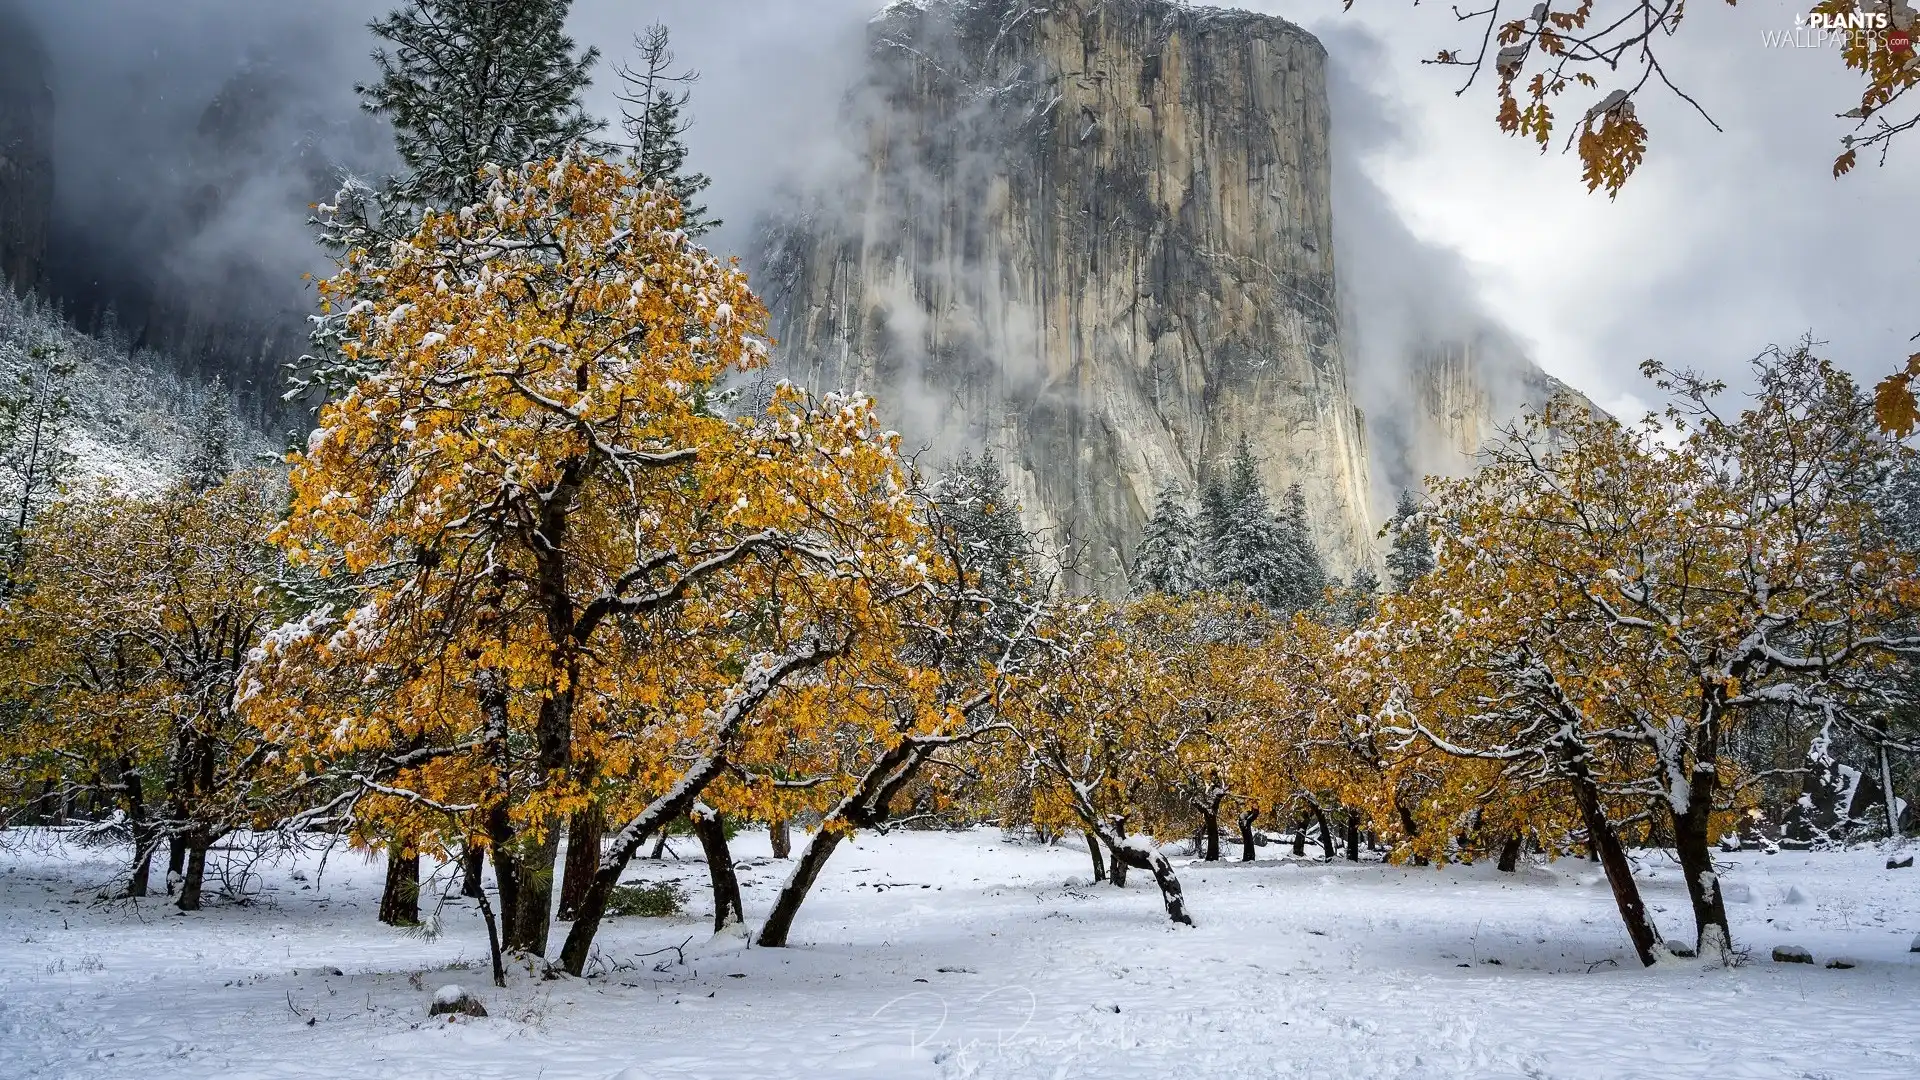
[[1168, 558], [34, 461], [1412, 554], [471, 83], [1356, 602], [1302, 580], [650, 109], [1247, 548], [976, 513], [209, 458]]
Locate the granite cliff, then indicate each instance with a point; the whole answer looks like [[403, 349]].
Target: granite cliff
[[26, 152], [1093, 236]]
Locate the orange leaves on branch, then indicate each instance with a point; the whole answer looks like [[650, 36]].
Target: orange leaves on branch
[[1894, 406], [1611, 152]]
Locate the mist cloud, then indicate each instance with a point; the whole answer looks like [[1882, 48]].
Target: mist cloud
[[1723, 244]]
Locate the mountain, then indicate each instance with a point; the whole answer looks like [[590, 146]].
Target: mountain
[[26, 151], [1095, 237]]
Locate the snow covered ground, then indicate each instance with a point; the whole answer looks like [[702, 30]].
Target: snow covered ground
[[963, 955]]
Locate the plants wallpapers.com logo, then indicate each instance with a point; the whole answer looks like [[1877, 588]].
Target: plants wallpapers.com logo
[[1887, 26]]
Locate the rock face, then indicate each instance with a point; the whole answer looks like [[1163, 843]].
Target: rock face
[[1458, 395], [1093, 236], [26, 151]]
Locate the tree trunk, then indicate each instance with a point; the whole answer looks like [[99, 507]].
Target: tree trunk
[[1712, 937], [493, 937], [1412, 828], [506, 875], [473, 863], [1247, 818], [400, 900], [1300, 838], [1326, 831], [1510, 854], [712, 831], [1626, 892], [1886, 792], [1117, 873], [677, 800], [176, 861], [1099, 862], [533, 901], [195, 875], [1156, 864], [1353, 836], [583, 859], [780, 838], [1210, 823], [659, 846], [145, 838], [779, 922], [138, 879]]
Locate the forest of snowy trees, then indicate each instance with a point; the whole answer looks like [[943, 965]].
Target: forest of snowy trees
[[536, 575]]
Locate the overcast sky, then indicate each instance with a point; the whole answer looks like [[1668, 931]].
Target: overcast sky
[[1722, 244]]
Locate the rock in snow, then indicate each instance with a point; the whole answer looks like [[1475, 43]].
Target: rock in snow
[[1899, 862], [1791, 954], [1841, 963], [454, 999]]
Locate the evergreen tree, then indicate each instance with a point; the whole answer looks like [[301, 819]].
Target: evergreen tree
[[34, 461], [1302, 577], [979, 519], [1354, 603], [209, 458], [471, 83], [1168, 558], [650, 109], [1412, 554], [1246, 548]]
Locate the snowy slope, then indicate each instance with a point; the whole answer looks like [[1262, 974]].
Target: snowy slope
[[132, 420], [963, 955]]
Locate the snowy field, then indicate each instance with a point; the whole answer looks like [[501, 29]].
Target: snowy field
[[962, 955]]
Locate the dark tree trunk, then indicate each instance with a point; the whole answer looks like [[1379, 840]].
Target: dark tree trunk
[[1353, 836], [1117, 873], [1413, 830], [1712, 937], [138, 881], [868, 806], [779, 922], [1510, 854], [1626, 892], [677, 801], [473, 863], [176, 861], [712, 831], [493, 936], [1156, 864], [780, 838], [583, 859], [145, 838], [1300, 838], [1326, 831], [533, 908], [1210, 825], [506, 869], [400, 900], [659, 846], [1099, 862], [195, 875], [1247, 818]]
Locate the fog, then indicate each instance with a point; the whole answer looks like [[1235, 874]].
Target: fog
[[181, 212]]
